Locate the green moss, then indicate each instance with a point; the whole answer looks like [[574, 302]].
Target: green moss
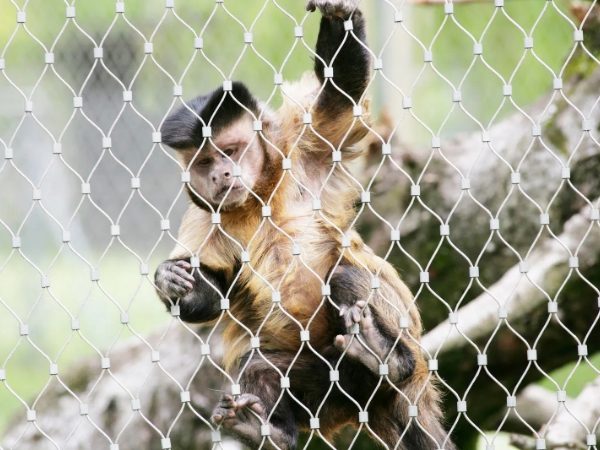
[[581, 66], [556, 137]]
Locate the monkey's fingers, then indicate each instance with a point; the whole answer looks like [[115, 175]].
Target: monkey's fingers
[[367, 322], [183, 264], [177, 282], [171, 291], [177, 290], [333, 8], [183, 274], [325, 6], [350, 345]]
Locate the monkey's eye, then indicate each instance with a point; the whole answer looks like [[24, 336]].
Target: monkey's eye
[[229, 151], [204, 162]]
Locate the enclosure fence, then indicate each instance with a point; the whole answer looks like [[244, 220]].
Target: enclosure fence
[[480, 185]]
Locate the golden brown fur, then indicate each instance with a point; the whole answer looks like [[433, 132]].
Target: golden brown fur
[[296, 252], [319, 235]]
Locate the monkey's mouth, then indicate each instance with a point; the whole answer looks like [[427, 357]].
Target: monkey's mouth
[[234, 190]]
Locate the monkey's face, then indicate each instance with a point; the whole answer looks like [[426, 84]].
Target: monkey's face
[[236, 149]]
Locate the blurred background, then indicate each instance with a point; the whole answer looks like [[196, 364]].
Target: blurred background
[[68, 269]]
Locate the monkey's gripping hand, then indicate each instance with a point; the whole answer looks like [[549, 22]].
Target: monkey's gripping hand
[[330, 8], [343, 68], [198, 293], [173, 279]]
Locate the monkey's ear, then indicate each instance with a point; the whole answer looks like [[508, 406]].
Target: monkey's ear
[[182, 129]]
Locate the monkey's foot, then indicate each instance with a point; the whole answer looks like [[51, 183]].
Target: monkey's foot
[[363, 341], [331, 8], [358, 322], [239, 416], [173, 279], [244, 416]]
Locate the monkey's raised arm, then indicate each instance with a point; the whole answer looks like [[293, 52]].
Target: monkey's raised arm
[[343, 51]]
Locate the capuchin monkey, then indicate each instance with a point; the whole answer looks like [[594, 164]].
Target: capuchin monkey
[[267, 242]]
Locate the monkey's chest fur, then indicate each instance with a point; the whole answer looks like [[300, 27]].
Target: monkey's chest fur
[[278, 293]]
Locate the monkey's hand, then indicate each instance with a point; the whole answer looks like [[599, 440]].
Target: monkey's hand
[[333, 8], [173, 280]]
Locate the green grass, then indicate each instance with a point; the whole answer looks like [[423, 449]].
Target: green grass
[[574, 376]]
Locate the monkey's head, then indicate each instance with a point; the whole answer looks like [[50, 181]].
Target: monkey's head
[[233, 147]]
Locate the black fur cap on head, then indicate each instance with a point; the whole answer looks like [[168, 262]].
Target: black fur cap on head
[[182, 129]]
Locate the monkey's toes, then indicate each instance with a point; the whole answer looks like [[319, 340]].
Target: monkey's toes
[[340, 342], [251, 402], [358, 313], [349, 344], [230, 412], [224, 410], [220, 415]]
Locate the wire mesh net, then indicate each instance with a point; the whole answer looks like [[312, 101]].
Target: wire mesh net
[[477, 181]]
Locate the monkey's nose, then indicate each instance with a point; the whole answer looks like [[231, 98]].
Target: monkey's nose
[[227, 174]]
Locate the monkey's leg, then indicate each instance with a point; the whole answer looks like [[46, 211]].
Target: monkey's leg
[[365, 338], [257, 406], [364, 342]]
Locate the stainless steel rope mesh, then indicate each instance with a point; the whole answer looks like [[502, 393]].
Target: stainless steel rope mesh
[[90, 201]]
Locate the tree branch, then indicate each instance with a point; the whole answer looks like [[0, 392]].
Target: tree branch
[[576, 421], [109, 396], [516, 293], [536, 407]]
